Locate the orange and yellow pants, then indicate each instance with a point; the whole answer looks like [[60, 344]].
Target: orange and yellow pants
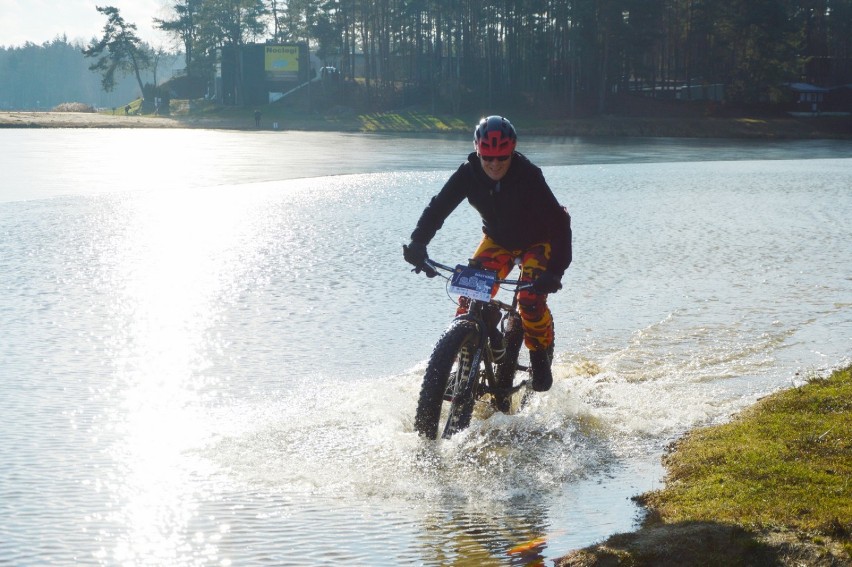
[[535, 314]]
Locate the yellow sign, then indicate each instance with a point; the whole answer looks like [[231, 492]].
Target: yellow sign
[[281, 62]]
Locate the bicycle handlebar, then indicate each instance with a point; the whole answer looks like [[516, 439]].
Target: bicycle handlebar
[[429, 268]]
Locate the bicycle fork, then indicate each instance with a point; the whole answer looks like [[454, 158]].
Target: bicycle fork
[[465, 390]]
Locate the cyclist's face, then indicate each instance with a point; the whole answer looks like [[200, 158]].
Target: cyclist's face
[[495, 169]]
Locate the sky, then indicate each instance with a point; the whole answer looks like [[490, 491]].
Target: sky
[[39, 21]]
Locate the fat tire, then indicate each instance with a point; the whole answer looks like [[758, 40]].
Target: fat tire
[[460, 335]]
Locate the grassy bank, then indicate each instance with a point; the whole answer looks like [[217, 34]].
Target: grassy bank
[[340, 119], [772, 487], [417, 121]]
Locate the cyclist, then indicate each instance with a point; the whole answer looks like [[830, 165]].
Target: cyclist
[[521, 218]]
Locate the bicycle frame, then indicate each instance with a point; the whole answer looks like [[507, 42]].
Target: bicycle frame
[[487, 337]]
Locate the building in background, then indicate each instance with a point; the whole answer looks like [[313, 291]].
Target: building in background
[[260, 73]]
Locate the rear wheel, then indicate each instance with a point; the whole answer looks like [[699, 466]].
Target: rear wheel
[[449, 385]]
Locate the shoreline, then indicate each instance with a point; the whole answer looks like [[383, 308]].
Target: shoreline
[[733, 492], [820, 127], [50, 119]]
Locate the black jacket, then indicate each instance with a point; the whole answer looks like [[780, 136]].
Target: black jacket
[[517, 211]]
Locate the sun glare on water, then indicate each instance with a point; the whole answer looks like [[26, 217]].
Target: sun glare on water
[[173, 261]]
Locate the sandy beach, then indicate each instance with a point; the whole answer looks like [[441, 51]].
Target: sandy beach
[[21, 119]]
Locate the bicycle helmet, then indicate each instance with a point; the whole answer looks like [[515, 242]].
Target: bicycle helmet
[[494, 136]]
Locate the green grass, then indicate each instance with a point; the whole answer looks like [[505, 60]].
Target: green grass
[[785, 463], [339, 118], [410, 122], [771, 488], [290, 118]]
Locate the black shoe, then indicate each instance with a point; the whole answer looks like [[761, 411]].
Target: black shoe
[[542, 378]]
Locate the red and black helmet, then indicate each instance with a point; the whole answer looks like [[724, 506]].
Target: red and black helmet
[[494, 136]]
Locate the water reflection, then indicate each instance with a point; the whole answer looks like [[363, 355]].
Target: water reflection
[[492, 536], [173, 261]]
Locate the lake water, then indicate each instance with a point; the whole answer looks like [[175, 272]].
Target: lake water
[[211, 347]]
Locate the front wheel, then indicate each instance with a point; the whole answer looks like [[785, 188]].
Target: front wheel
[[450, 382]]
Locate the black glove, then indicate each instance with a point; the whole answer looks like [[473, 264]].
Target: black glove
[[547, 282], [415, 254]]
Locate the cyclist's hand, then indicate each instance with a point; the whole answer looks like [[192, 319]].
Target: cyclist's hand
[[415, 254], [547, 282]]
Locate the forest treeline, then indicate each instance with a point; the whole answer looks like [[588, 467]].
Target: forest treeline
[[571, 54], [579, 52], [40, 77]]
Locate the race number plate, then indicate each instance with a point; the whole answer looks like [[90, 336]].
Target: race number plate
[[473, 282]]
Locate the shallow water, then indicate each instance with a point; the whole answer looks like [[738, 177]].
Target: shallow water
[[212, 348]]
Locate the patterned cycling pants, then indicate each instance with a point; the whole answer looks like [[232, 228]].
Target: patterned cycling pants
[[535, 314]]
